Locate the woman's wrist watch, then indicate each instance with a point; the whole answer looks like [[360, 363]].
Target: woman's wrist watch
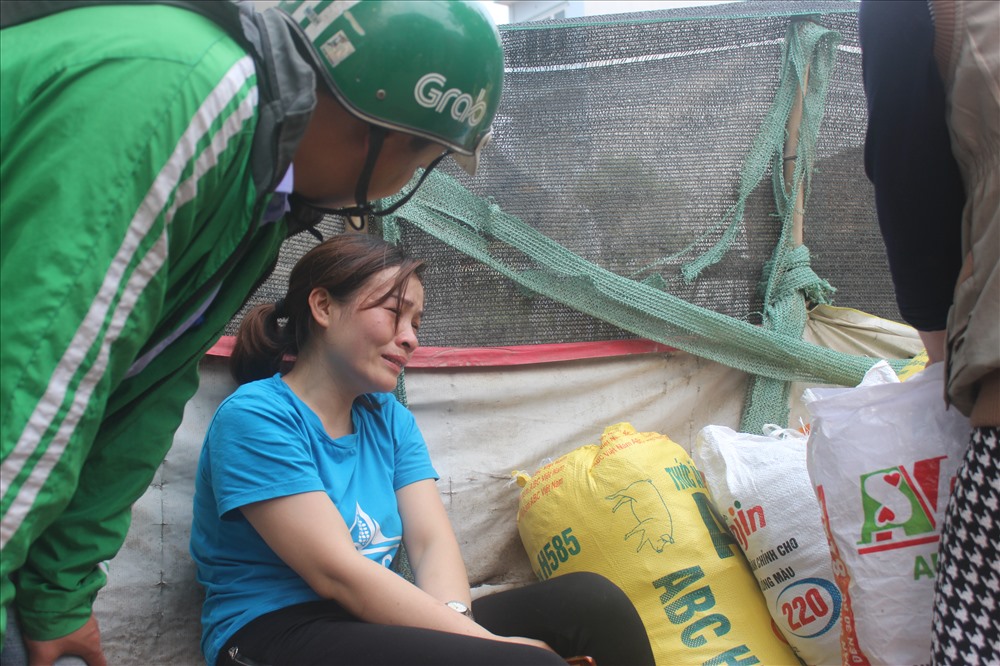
[[459, 607]]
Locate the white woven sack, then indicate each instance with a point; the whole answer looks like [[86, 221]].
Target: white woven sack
[[761, 487], [882, 457]]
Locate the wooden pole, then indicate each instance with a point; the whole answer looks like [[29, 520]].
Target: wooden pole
[[790, 155]]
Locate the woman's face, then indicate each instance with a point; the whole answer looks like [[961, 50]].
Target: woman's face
[[368, 345]]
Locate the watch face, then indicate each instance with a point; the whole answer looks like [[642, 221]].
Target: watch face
[[459, 606]]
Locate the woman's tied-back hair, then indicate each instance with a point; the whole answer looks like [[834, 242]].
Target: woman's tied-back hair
[[341, 265]]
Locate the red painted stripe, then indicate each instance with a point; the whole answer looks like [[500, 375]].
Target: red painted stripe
[[471, 357]]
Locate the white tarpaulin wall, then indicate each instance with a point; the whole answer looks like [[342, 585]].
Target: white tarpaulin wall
[[480, 423]]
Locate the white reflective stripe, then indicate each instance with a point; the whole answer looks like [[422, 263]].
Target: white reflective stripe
[[187, 191], [329, 14], [209, 157], [143, 273], [89, 332]]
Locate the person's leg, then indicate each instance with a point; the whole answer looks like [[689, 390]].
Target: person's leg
[[321, 633], [13, 652], [578, 614], [967, 589]]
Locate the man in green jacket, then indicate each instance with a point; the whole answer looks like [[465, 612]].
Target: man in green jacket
[[150, 156]]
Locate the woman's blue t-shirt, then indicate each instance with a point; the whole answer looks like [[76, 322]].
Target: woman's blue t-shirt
[[264, 443]]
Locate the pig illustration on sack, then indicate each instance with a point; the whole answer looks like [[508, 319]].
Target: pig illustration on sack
[[653, 523], [622, 503]]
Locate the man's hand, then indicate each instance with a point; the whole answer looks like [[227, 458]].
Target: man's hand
[[85, 643]]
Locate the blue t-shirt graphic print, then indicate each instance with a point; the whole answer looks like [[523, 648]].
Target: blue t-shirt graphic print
[[370, 540]]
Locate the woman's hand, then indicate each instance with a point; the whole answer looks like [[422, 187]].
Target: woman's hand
[[521, 640], [308, 533]]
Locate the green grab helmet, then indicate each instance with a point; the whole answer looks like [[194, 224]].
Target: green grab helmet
[[431, 68]]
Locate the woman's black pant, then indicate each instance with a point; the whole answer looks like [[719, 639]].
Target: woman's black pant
[[579, 614]]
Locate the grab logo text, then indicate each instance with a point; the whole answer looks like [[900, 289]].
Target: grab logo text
[[430, 93]]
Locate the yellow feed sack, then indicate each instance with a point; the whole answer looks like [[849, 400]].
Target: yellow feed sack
[[916, 364], [636, 511]]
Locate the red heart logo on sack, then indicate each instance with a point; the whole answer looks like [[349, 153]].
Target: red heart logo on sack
[[885, 514], [893, 478]]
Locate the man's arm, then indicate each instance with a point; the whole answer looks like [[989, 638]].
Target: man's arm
[[919, 194], [101, 154]]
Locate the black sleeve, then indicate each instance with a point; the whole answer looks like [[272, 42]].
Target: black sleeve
[[918, 189]]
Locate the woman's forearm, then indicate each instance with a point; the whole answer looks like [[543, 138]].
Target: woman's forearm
[[430, 542], [440, 571], [375, 594]]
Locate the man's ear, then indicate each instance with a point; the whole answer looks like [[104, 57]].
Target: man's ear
[[322, 307]]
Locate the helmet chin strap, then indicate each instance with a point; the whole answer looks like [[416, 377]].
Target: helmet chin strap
[[362, 206]]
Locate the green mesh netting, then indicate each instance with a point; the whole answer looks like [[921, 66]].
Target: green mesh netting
[[635, 187]]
